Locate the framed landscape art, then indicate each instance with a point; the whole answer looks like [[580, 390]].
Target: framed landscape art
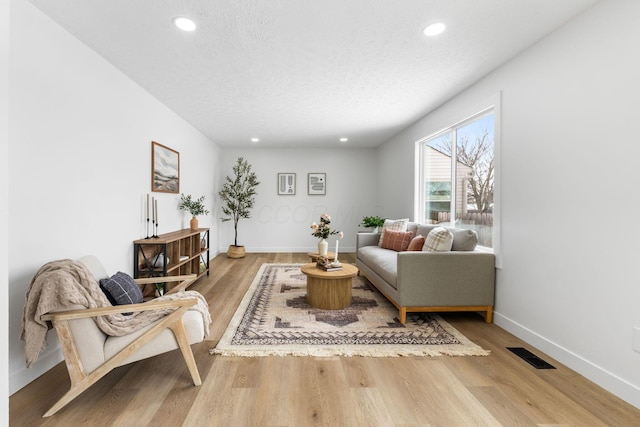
[[286, 184], [165, 169], [317, 184]]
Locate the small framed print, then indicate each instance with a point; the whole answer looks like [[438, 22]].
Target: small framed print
[[165, 169], [317, 184], [286, 184]]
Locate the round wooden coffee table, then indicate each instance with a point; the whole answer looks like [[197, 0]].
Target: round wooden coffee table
[[329, 290]]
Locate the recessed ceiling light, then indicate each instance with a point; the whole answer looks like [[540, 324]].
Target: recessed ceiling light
[[185, 24], [344, 139], [255, 139], [434, 29]]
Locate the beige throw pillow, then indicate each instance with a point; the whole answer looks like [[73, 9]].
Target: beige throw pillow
[[438, 240], [394, 225]]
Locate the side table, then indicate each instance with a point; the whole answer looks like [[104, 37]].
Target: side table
[[329, 290]]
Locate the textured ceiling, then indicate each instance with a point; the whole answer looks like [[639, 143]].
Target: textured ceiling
[[307, 72]]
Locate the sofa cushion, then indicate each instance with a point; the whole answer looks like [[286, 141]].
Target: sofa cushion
[[438, 240], [383, 261], [416, 243], [413, 226], [121, 289], [393, 224], [397, 240], [424, 229], [464, 239]]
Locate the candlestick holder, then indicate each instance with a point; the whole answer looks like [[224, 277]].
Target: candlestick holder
[[155, 234], [147, 229]]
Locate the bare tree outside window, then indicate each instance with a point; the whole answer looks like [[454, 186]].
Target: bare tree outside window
[[478, 155], [461, 197]]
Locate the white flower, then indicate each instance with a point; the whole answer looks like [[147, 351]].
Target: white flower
[[340, 235], [314, 226]]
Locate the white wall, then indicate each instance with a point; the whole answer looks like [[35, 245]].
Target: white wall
[[282, 223], [4, 203], [80, 164], [569, 283]]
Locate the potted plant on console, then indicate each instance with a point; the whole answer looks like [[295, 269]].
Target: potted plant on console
[[373, 222], [238, 197], [195, 207]]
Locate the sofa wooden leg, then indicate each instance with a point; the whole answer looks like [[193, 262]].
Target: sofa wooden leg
[[488, 316], [403, 315]]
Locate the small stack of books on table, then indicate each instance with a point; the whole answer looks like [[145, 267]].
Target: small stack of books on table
[[328, 267]]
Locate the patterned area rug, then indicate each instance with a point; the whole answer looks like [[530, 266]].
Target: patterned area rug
[[274, 319]]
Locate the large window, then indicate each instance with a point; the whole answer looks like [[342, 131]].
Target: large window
[[457, 171]]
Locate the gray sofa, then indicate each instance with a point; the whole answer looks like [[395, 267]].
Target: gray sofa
[[462, 279]]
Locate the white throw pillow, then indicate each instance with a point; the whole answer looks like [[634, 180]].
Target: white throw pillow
[[438, 240], [393, 224]]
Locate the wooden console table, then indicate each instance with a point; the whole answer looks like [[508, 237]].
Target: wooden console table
[[172, 254]]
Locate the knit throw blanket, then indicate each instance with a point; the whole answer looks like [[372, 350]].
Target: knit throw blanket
[[60, 285]]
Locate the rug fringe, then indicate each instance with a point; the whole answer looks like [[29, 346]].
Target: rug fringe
[[343, 352]]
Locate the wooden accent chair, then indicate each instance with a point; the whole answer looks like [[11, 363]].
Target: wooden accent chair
[[90, 354]]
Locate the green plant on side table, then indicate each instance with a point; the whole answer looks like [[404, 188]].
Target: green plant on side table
[[373, 222], [194, 206]]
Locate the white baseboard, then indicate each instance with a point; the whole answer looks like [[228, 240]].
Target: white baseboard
[[45, 362], [605, 379]]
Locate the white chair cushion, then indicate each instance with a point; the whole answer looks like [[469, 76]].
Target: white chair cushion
[[95, 267], [163, 342]]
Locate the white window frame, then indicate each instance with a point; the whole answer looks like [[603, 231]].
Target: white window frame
[[492, 106]]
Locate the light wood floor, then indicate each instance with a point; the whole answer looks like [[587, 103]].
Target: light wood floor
[[500, 389]]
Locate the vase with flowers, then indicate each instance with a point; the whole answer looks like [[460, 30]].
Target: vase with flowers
[[322, 231]]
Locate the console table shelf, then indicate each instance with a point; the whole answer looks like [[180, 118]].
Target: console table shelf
[[172, 254]]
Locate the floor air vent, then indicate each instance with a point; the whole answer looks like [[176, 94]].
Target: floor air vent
[[530, 358]]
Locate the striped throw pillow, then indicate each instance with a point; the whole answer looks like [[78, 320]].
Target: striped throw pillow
[[397, 240]]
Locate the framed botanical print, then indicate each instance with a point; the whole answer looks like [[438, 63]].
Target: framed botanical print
[[317, 183], [165, 169], [286, 184]]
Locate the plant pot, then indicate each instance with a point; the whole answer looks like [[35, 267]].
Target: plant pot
[[194, 223], [235, 251]]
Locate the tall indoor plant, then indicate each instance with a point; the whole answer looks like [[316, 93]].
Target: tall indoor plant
[[238, 197]]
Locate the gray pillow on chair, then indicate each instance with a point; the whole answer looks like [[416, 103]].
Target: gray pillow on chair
[[121, 289]]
